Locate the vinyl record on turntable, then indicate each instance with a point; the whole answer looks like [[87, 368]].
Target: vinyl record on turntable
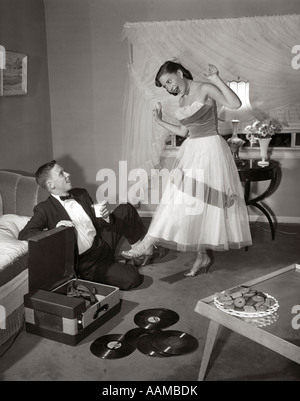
[[111, 346], [145, 347], [173, 342], [152, 319]]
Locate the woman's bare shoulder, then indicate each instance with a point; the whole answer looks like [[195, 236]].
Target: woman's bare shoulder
[[203, 86], [200, 92]]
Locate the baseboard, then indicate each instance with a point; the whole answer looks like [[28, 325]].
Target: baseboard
[[252, 218], [145, 213], [278, 219]]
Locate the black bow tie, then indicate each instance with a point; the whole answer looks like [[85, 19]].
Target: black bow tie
[[69, 196]]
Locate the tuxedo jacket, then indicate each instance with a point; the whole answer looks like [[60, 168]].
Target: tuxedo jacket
[[48, 213]]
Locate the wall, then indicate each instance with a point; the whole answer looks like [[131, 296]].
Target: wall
[[25, 127], [87, 63], [88, 70]]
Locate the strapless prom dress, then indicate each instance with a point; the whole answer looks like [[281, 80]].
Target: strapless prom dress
[[202, 206]]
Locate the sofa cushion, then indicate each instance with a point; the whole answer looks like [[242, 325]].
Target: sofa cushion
[[12, 224], [11, 247]]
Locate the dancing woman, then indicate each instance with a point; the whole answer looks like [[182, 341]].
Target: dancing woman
[[202, 207]]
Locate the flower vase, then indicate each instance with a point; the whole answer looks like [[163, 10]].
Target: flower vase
[[263, 144]]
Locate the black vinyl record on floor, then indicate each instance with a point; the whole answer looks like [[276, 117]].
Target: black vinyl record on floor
[[133, 336], [146, 347], [152, 319], [173, 342], [112, 346]]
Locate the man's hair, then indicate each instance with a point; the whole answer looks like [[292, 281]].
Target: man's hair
[[42, 174]]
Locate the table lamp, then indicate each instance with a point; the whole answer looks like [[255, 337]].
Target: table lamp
[[243, 114], [2, 67]]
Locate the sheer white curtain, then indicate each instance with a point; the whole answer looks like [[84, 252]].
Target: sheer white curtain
[[255, 49]]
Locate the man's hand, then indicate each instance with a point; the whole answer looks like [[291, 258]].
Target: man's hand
[[101, 210], [66, 223]]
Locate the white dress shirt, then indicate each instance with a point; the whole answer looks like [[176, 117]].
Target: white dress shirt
[[83, 224]]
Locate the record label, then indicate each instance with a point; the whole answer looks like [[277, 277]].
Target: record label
[[114, 345], [153, 319]]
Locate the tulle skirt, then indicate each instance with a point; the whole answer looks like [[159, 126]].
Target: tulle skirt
[[203, 205]]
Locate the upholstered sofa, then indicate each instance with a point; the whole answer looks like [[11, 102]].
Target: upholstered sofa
[[18, 196]]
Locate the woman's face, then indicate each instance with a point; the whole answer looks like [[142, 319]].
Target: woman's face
[[173, 83]]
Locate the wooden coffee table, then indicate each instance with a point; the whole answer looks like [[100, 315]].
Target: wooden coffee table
[[278, 332]]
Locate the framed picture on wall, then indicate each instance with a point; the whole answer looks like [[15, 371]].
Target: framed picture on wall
[[14, 76]]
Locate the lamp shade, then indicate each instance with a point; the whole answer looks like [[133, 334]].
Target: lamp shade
[[245, 112], [2, 57]]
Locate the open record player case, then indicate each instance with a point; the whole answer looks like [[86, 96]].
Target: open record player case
[[49, 311]]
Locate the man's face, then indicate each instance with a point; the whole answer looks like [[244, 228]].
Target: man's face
[[59, 182]]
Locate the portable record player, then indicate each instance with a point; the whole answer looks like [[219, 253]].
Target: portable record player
[[59, 306]]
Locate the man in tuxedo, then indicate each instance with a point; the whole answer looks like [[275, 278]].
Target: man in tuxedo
[[96, 237]]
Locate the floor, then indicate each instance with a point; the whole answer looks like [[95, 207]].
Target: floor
[[234, 358]]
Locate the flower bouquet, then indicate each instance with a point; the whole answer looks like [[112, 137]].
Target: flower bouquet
[[262, 131]]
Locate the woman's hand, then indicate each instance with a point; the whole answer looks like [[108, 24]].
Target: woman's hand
[[157, 113], [219, 90], [175, 129], [212, 72]]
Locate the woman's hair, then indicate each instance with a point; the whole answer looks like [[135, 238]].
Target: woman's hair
[[43, 172], [170, 67]]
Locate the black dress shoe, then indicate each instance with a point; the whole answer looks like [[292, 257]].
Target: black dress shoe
[[159, 253]]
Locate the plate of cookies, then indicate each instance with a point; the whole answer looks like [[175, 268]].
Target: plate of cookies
[[246, 302]]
